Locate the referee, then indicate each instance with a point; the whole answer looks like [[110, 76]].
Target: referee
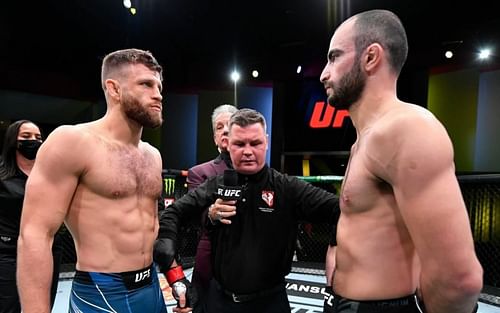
[[253, 238]]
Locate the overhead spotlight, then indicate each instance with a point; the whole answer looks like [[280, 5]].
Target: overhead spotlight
[[299, 69], [448, 54], [133, 11], [235, 76], [127, 4], [484, 54], [255, 73]]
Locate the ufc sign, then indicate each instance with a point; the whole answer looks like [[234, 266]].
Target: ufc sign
[[325, 115], [229, 193]]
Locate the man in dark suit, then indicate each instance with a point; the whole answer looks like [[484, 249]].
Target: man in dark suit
[[202, 272], [199, 173]]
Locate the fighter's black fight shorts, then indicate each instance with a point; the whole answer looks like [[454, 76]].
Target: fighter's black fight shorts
[[132, 292], [337, 304]]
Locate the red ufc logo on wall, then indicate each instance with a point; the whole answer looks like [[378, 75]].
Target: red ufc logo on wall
[[325, 115]]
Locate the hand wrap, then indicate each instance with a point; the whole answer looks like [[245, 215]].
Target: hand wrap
[[180, 285]]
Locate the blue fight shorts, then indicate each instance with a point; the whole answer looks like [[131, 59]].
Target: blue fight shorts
[[129, 292]]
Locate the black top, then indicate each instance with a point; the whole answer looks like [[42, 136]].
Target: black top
[[255, 251], [11, 204]]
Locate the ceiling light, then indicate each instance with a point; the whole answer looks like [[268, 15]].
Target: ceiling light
[[235, 76], [127, 4], [299, 69], [448, 54], [255, 73], [484, 54]]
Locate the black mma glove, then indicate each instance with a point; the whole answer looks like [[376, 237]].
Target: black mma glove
[[180, 285], [164, 253]]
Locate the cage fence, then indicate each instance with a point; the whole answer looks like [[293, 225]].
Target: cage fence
[[481, 195]]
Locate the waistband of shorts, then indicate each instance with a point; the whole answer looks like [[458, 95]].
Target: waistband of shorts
[[388, 303], [131, 279]]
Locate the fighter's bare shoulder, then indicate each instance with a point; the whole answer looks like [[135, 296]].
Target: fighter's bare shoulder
[[71, 132], [409, 122], [408, 136], [72, 143], [150, 149], [70, 138]]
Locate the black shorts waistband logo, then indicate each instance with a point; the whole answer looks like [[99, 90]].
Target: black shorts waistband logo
[[142, 275]]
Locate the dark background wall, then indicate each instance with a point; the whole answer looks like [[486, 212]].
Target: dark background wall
[[179, 134], [465, 100]]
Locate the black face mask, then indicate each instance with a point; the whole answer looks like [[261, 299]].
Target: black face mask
[[28, 148]]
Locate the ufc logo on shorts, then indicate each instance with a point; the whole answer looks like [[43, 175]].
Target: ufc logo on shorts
[[329, 300], [142, 275]]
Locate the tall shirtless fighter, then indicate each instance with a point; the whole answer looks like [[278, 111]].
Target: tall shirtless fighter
[[403, 222], [103, 182]]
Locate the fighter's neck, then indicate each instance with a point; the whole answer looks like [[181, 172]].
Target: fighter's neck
[[122, 129], [369, 110]]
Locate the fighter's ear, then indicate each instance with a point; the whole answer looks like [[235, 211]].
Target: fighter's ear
[[372, 57], [112, 87]]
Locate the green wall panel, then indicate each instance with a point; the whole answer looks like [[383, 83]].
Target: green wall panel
[[453, 99]]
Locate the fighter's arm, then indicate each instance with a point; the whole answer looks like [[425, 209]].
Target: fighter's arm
[[160, 204], [49, 191], [330, 264], [416, 158], [331, 257]]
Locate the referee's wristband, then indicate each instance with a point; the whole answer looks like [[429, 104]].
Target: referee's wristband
[[174, 274]]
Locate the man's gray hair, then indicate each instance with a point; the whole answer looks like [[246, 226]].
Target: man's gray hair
[[225, 108]]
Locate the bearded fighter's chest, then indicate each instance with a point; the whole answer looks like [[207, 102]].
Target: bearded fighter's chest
[[120, 175]]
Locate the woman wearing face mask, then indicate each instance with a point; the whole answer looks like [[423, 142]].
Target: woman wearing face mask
[[21, 143]]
